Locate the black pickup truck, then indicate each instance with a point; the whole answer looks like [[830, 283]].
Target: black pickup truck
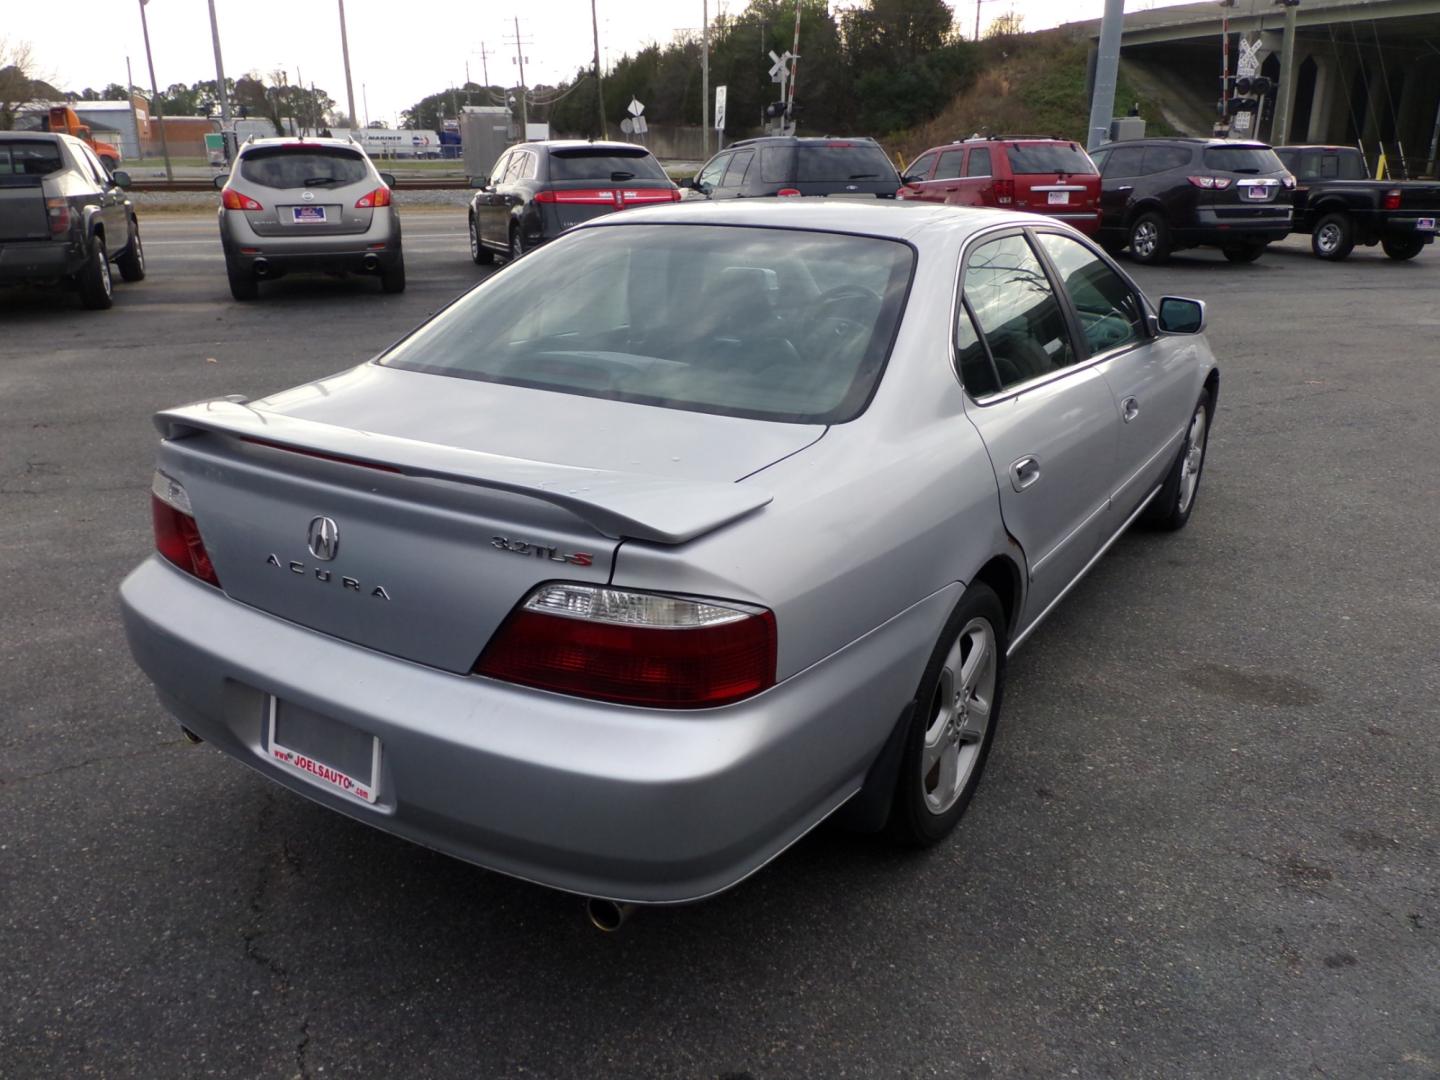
[[1340, 206], [64, 218]]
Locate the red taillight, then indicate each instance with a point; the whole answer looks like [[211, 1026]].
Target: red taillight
[[1004, 192], [236, 200], [1392, 199], [177, 536], [633, 648], [585, 196], [1217, 183], [58, 211], [788, 192], [379, 197]]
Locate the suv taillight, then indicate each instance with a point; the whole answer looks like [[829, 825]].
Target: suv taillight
[[1004, 192], [1392, 199], [633, 648], [177, 536], [1218, 183], [235, 200], [58, 211], [379, 197], [788, 192]]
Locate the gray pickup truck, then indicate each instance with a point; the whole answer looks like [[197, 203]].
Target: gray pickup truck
[[64, 218]]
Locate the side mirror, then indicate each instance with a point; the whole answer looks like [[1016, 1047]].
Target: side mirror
[[121, 178], [1179, 315], [911, 178], [388, 179], [221, 179]]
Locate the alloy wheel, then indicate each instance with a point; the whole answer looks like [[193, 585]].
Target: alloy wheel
[[105, 281], [1194, 457], [959, 716], [1143, 240], [474, 241], [1328, 238]]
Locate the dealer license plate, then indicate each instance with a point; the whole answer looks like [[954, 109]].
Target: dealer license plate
[[328, 752], [1425, 224], [308, 215], [1060, 197], [1257, 192]]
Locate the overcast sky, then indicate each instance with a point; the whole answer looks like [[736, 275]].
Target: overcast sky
[[399, 51]]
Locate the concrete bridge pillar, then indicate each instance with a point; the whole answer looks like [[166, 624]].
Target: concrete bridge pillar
[[1322, 104]]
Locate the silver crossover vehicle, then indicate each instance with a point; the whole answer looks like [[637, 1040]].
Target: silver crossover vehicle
[[675, 537], [307, 204]]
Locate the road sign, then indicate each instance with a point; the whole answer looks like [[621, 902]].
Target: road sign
[[719, 108], [627, 125], [639, 126], [635, 108], [779, 71], [1249, 61]]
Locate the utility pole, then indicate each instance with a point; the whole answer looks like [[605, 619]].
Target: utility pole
[[1107, 63], [599, 82], [1285, 93], [794, 73], [705, 79], [349, 86], [520, 60], [134, 119], [365, 97], [977, 18], [155, 93], [485, 65], [227, 129]]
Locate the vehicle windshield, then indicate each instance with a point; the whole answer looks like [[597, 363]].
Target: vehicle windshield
[[1031, 158], [604, 165], [296, 167], [774, 324], [841, 161], [23, 162], [1242, 159]]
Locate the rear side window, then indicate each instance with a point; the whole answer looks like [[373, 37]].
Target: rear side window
[[951, 162], [1160, 159], [1017, 311], [1242, 159], [22, 160], [311, 166], [1029, 159], [979, 163], [776, 162], [1124, 161], [604, 165], [1110, 314], [841, 161]]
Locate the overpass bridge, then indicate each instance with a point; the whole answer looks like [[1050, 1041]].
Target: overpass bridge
[[1355, 72]]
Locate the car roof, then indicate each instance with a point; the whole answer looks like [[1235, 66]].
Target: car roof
[[298, 140], [1314, 146], [577, 144], [799, 140], [906, 220], [1186, 140], [36, 136]]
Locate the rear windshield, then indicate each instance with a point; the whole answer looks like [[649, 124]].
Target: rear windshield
[[593, 165], [1030, 158], [1242, 159], [22, 163], [774, 324], [294, 167], [825, 163]]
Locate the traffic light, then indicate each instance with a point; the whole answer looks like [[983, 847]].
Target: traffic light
[[1247, 91], [775, 110]]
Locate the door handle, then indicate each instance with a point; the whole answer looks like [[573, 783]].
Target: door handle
[[1125, 187], [1129, 408], [1024, 472]]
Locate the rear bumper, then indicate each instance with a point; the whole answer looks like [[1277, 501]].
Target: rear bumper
[[1088, 222], [1236, 227], [630, 804], [346, 252], [38, 260]]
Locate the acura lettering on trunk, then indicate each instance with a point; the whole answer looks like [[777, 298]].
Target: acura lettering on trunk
[[814, 469]]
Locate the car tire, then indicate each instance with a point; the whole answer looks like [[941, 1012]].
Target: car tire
[[949, 737], [1401, 248], [243, 285], [517, 243], [1173, 505], [1243, 253], [480, 255], [392, 279], [1149, 239], [132, 261], [96, 285], [1333, 237]]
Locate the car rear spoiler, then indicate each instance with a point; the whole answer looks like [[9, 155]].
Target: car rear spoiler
[[618, 504]]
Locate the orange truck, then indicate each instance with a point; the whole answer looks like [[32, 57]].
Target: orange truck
[[63, 119]]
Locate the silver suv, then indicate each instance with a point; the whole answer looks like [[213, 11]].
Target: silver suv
[[307, 204]]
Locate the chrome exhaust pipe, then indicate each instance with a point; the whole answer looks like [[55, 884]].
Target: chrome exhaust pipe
[[190, 736], [372, 263], [262, 267], [607, 915]]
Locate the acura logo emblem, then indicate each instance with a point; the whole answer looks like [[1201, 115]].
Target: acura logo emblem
[[323, 538]]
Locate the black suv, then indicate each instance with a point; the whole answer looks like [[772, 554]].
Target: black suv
[[787, 165], [1160, 195], [537, 190]]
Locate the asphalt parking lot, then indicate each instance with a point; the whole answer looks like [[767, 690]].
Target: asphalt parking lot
[[1208, 843]]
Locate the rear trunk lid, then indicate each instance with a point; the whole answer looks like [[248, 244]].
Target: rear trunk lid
[[306, 189], [588, 181], [24, 164], [1249, 187], [833, 167], [1053, 177], [447, 501]]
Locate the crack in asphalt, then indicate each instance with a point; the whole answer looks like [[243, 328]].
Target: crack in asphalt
[[73, 766]]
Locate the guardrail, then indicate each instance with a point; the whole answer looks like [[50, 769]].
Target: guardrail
[[438, 183]]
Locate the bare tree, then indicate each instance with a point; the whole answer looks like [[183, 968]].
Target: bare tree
[[20, 81], [1005, 27]]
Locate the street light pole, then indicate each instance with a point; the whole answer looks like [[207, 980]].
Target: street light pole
[[155, 93], [1107, 63], [345, 53], [227, 129], [134, 119], [705, 79], [520, 59], [599, 82]]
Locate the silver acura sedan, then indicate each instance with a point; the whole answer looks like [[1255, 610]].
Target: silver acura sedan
[[673, 538]]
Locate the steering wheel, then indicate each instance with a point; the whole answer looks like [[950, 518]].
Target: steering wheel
[[849, 295]]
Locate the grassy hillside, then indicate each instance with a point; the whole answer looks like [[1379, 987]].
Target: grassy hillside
[[1032, 84]]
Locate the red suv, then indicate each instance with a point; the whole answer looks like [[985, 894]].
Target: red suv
[[1041, 176]]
